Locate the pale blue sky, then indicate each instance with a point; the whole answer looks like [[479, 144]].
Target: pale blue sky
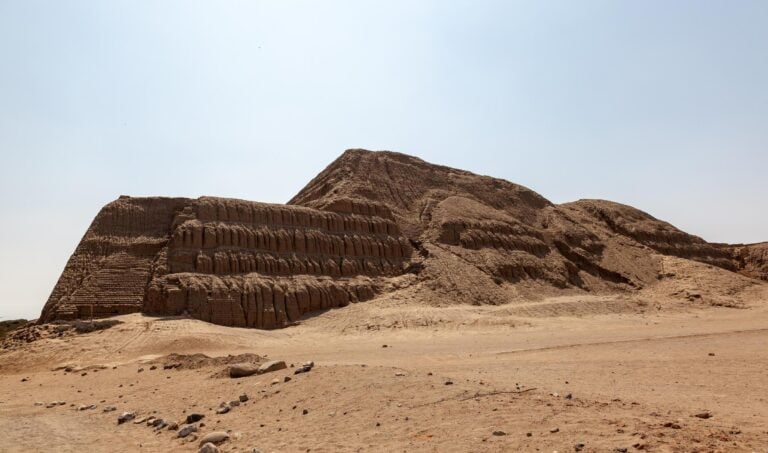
[[662, 105]]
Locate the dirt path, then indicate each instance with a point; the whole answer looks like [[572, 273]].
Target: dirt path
[[628, 375]]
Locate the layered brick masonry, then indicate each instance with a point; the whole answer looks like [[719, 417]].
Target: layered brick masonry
[[231, 262]]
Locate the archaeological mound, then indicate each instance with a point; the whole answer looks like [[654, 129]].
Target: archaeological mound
[[369, 224]]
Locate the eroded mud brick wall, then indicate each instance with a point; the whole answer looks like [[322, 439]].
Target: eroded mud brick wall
[[237, 237], [249, 264], [109, 271]]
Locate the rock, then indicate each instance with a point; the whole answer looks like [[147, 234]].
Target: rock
[[234, 403], [173, 426], [304, 412], [186, 430], [272, 365], [554, 430], [499, 433], [170, 366], [449, 382], [224, 409], [308, 364], [672, 425], [110, 409], [125, 417], [208, 448], [153, 367], [711, 354], [84, 407], [242, 370], [578, 447], [275, 381], [704, 415], [287, 379], [302, 369], [243, 398], [400, 373], [569, 396], [194, 417], [140, 370], [158, 422], [215, 438]]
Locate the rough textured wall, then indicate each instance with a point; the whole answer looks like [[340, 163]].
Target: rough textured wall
[[250, 264], [752, 259], [109, 271], [230, 262]]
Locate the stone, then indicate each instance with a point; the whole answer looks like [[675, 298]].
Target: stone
[[272, 365], [208, 448], [84, 407], [242, 370], [215, 437], [224, 409], [243, 398], [109, 409], [186, 430], [302, 369], [499, 433], [286, 379], [125, 417], [703, 415], [194, 417], [173, 426]]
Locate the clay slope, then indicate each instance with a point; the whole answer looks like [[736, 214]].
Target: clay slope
[[510, 234], [370, 222]]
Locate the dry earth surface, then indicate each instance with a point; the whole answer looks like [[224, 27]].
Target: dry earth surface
[[615, 373]]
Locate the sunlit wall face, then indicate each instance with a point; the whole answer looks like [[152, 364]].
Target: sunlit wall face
[[661, 105]]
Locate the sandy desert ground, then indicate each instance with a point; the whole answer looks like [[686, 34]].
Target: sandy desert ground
[[570, 373]]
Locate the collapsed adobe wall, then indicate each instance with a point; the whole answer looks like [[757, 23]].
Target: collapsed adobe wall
[[231, 262], [249, 264], [114, 262]]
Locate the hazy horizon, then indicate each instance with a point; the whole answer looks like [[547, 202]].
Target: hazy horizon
[[662, 106]]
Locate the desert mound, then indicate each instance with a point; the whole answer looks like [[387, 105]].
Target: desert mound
[[371, 223]]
